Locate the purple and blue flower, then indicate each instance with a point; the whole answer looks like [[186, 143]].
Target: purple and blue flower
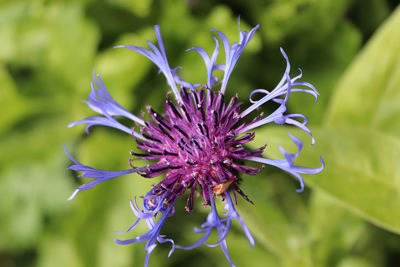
[[198, 142]]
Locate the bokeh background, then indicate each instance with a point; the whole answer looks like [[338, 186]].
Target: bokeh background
[[349, 215]]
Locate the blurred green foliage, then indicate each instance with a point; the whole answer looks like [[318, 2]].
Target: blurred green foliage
[[350, 50]]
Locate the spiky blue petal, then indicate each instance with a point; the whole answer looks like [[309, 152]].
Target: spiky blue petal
[[213, 221], [233, 52], [158, 57], [209, 62], [151, 207], [284, 88], [287, 164], [100, 101], [89, 172]]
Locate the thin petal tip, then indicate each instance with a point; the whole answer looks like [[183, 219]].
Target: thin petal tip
[[300, 190], [73, 195]]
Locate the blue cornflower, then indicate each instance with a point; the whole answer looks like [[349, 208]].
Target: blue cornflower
[[197, 142]]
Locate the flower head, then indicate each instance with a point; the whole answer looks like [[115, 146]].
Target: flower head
[[198, 142]]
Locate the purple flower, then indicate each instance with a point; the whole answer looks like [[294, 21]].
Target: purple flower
[[198, 142]]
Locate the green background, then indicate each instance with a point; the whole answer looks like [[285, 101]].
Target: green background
[[349, 215]]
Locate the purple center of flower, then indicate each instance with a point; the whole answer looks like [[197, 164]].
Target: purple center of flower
[[196, 143]]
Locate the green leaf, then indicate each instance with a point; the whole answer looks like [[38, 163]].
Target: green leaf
[[271, 228], [365, 178], [362, 170], [368, 95], [386, 117], [334, 230]]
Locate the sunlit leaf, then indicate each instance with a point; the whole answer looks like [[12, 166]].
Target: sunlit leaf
[[368, 94], [362, 170], [333, 230]]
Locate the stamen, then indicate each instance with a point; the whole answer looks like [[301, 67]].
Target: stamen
[[196, 144], [186, 113], [165, 132], [231, 103], [152, 138], [138, 154], [211, 95], [206, 128], [215, 118], [199, 125], [199, 107], [221, 104], [159, 119], [170, 153], [187, 149], [180, 146], [180, 130], [173, 108]]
